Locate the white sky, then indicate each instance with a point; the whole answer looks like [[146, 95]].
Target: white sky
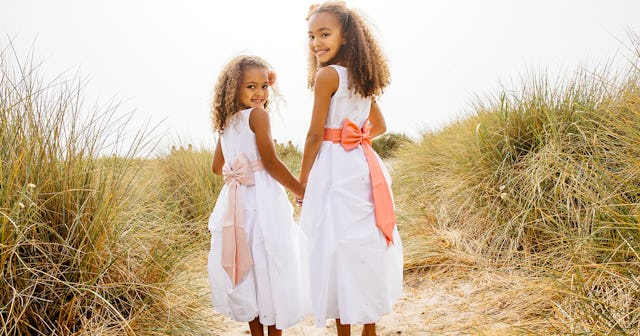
[[161, 58]]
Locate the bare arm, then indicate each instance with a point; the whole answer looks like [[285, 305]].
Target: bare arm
[[326, 84], [218, 159], [378, 125], [260, 125]]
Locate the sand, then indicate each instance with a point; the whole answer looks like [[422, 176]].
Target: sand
[[477, 302]]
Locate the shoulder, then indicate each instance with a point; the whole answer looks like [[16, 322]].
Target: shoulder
[[259, 113], [258, 117], [327, 77], [327, 72]]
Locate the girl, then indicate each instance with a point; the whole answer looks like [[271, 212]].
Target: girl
[[253, 266], [355, 250]]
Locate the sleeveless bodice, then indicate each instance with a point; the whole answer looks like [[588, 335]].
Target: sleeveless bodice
[[238, 137], [346, 103]]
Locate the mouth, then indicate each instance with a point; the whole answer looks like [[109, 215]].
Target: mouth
[[257, 100], [321, 52]]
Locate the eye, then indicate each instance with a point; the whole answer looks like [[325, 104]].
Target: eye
[[251, 86], [264, 86], [325, 34], [311, 37]]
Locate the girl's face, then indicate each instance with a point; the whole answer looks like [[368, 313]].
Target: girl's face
[[254, 87], [325, 37]]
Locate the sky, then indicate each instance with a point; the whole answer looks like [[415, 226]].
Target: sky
[[160, 59]]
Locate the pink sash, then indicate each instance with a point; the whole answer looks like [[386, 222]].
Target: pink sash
[[236, 254], [350, 136]]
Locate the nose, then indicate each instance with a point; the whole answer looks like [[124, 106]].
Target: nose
[[315, 43]]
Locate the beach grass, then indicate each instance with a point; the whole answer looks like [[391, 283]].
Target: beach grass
[[87, 246], [544, 181]]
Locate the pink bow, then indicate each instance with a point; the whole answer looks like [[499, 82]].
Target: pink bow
[[236, 255], [350, 136]]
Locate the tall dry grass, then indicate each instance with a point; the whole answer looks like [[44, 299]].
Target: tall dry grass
[[189, 188], [85, 245], [545, 181], [388, 144]]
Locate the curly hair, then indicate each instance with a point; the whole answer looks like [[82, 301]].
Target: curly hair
[[361, 54], [226, 101]]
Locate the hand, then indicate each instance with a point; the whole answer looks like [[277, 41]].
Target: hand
[[299, 199]]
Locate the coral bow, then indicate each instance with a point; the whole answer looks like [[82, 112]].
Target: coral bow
[[351, 136], [236, 255]]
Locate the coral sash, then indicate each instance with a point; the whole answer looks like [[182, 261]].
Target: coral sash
[[351, 136], [236, 254]]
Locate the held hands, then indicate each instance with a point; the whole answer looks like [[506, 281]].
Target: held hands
[[300, 198]]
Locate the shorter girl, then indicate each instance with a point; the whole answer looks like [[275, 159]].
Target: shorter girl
[[254, 267]]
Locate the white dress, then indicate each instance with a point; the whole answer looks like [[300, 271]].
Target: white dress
[[353, 275], [276, 287]]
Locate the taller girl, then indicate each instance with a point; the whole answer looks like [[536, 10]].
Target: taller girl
[[355, 250]]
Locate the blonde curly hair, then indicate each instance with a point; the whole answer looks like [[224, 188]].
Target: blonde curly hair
[[226, 101], [361, 54]]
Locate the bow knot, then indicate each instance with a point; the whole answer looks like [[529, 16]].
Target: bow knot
[[352, 135], [239, 172], [236, 254]]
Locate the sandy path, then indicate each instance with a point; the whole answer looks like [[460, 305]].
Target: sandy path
[[478, 303]]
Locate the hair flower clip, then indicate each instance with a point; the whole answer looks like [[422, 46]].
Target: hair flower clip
[[271, 77]]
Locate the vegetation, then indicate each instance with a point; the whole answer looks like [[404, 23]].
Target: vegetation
[[189, 188], [542, 185], [546, 182], [388, 144], [86, 246]]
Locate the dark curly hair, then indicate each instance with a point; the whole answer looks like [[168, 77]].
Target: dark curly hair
[[225, 94], [361, 54]]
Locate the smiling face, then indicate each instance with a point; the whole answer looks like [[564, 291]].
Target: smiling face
[[254, 88], [325, 37]]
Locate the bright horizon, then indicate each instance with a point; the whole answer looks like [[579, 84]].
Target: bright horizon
[[161, 59]]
